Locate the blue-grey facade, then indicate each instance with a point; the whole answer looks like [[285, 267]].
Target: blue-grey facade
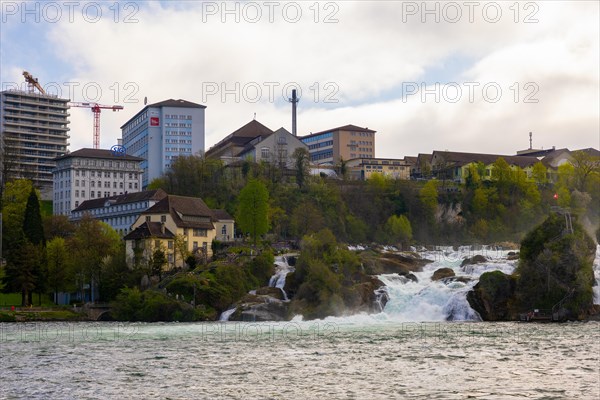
[[161, 132]]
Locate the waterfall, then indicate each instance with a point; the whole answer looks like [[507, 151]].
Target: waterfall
[[597, 276], [443, 300], [282, 268], [226, 314]]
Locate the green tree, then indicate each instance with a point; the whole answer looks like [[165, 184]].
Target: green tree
[[428, 196], [32, 221], [539, 173], [93, 244], [398, 229], [159, 260], [585, 165], [253, 209], [301, 158], [60, 274]]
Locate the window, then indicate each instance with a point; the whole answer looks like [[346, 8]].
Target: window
[[224, 230], [170, 245], [83, 194], [129, 185], [148, 218], [200, 232], [120, 185], [157, 244], [195, 245], [77, 193], [264, 153], [92, 194], [163, 218], [77, 182], [93, 184]]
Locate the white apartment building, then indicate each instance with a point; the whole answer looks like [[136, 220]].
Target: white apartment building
[[93, 173], [119, 211]]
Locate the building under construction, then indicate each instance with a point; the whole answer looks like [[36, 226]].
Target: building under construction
[[34, 131]]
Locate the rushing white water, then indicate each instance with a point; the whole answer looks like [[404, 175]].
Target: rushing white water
[[226, 314], [282, 268], [597, 276]]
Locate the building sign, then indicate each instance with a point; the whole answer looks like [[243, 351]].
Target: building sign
[[118, 150], [154, 121]]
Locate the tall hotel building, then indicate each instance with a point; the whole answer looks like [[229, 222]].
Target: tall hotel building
[[346, 142], [161, 132], [34, 132]]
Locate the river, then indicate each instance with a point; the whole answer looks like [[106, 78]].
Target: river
[[300, 360], [388, 355]]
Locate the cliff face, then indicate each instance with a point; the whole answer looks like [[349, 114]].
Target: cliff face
[[555, 270]]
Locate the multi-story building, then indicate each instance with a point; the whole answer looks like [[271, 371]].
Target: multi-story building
[[176, 217], [346, 142], [93, 173], [34, 132], [363, 168], [161, 132], [119, 211]]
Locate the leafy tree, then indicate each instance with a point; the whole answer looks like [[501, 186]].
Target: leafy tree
[[539, 173], [429, 200], [159, 260], [58, 226], [307, 218], [60, 274], [584, 166], [501, 171], [253, 209], [398, 229], [473, 178], [301, 158], [2, 276]]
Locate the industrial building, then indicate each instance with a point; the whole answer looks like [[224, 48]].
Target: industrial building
[[342, 143]]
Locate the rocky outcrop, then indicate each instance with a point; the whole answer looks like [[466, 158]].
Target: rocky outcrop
[[365, 296], [401, 263], [274, 292], [477, 259], [490, 297], [260, 308], [442, 273]]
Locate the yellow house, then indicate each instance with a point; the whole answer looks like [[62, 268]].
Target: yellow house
[[179, 225]]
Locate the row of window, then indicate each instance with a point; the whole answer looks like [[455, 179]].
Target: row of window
[[317, 137], [178, 133], [133, 124], [320, 144], [177, 125], [173, 116], [102, 163], [364, 134], [107, 174], [353, 155], [180, 141], [178, 149]]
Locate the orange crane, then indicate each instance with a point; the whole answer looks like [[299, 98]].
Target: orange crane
[[95, 107], [32, 83]]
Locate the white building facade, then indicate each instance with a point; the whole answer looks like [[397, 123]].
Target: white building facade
[[120, 211], [91, 174], [161, 132]]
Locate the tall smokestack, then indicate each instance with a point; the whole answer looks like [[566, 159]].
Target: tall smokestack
[[294, 101], [530, 140]]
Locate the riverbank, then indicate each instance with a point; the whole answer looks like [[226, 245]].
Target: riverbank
[[34, 314]]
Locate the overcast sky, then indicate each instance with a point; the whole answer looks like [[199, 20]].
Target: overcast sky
[[460, 76]]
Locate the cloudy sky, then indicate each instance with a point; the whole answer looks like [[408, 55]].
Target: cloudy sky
[[461, 76]]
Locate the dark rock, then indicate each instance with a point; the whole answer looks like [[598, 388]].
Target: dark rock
[[477, 259], [442, 273], [463, 279], [392, 263], [270, 291], [412, 277], [512, 257], [490, 297], [264, 308]]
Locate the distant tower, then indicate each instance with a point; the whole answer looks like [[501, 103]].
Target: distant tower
[[530, 140], [294, 100]]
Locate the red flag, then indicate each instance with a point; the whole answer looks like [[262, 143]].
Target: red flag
[[555, 196]]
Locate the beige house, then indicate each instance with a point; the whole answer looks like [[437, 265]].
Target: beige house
[[181, 226], [276, 148], [363, 168], [343, 143]]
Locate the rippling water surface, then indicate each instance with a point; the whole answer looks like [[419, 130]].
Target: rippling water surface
[[300, 360]]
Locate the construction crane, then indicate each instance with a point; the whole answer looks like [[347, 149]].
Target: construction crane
[[32, 83], [95, 107]]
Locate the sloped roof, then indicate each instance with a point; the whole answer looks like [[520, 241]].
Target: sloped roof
[[122, 199], [350, 127], [180, 207], [221, 215], [150, 230], [242, 136], [459, 158], [98, 153]]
